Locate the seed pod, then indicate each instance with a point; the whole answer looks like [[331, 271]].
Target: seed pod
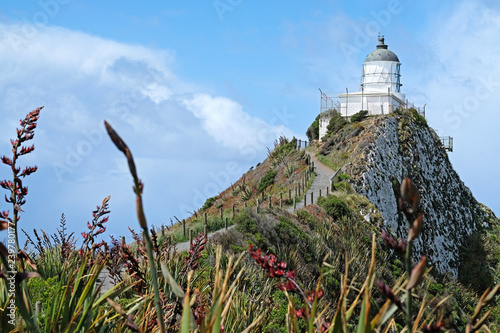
[[417, 273], [409, 193], [416, 228]]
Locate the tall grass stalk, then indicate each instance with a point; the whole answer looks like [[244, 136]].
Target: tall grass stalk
[[138, 187]]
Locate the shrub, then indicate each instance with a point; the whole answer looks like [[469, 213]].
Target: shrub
[[282, 148], [344, 176], [209, 203], [267, 180], [42, 290], [313, 130], [419, 120], [244, 223], [335, 207], [363, 114], [336, 124], [290, 169], [343, 187]]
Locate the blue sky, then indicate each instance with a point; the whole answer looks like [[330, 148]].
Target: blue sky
[[199, 90]]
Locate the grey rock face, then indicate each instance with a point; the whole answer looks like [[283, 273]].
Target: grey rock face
[[403, 149]]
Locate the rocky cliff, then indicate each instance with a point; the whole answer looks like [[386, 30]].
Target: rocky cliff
[[384, 150]]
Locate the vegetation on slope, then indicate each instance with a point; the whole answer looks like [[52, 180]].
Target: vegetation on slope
[[316, 271]]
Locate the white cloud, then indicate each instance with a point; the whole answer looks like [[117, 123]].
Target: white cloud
[[226, 121], [175, 131]]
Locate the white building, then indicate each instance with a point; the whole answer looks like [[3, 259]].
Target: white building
[[380, 88]]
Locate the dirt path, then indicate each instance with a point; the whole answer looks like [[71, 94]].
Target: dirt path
[[321, 182]]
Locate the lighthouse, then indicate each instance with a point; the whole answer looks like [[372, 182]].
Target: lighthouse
[[379, 90]]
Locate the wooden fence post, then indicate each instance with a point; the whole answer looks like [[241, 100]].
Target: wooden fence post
[[258, 210], [205, 225], [320, 192], [327, 188], [305, 199], [312, 198], [233, 210], [38, 308], [183, 227], [190, 237], [221, 214], [226, 223]]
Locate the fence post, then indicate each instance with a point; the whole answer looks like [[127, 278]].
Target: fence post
[[270, 198], [225, 225], [221, 214], [163, 229], [205, 218], [290, 194], [294, 203], [233, 210], [205, 225], [190, 237], [281, 203], [305, 199], [183, 227], [320, 192], [312, 198], [327, 188], [258, 206], [38, 308], [245, 204]]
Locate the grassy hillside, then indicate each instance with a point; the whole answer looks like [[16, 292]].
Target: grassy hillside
[[325, 267]]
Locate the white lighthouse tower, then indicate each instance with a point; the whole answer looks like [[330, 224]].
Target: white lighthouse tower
[[380, 88]]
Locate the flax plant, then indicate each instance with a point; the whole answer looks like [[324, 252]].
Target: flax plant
[[138, 187], [18, 192]]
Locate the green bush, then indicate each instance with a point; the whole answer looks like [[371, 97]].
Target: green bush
[[419, 120], [344, 176], [42, 290], [307, 217], [336, 124], [313, 130], [244, 223], [334, 207], [209, 203], [343, 187], [363, 114], [267, 180]]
